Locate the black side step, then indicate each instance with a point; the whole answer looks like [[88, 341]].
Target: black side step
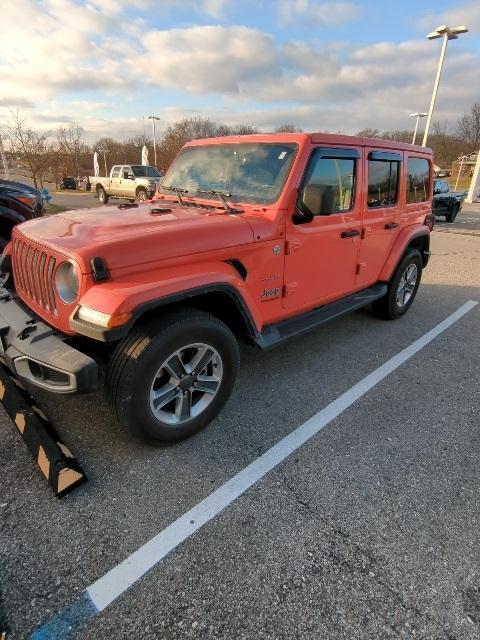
[[275, 334]]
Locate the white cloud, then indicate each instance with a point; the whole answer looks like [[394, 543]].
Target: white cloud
[[211, 8], [467, 14], [323, 14], [208, 59], [66, 49]]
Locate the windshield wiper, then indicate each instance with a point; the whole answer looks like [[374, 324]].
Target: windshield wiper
[[222, 195], [177, 190]]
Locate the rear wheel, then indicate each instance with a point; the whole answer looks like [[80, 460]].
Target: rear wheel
[[402, 288], [171, 377], [102, 195]]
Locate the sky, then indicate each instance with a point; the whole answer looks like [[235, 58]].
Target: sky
[[323, 66]]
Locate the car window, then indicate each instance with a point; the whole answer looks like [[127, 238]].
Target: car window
[[382, 183], [116, 172], [418, 180], [335, 174], [250, 172], [145, 171]]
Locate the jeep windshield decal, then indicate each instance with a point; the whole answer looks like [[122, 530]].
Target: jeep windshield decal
[[252, 173]]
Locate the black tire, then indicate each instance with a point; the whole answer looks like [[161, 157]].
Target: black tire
[[136, 362], [450, 217], [3, 244], [388, 307], [141, 196], [102, 195]]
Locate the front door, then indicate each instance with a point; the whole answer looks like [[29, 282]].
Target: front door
[[322, 250], [381, 213], [127, 184]]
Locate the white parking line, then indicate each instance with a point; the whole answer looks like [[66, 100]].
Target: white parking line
[[110, 586]]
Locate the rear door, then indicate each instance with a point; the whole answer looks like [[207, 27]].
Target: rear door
[[417, 189], [115, 180], [322, 251], [381, 208]]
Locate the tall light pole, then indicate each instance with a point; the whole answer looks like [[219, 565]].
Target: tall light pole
[[153, 118], [417, 115], [447, 33]]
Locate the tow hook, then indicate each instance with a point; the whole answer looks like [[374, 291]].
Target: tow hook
[[28, 329]]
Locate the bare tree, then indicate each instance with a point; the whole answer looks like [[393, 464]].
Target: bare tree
[[115, 150], [133, 148], [242, 130], [369, 133], [70, 143], [468, 128], [29, 145], [287, 128]]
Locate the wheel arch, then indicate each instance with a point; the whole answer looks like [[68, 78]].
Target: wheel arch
[[220, 300], [418, 238]]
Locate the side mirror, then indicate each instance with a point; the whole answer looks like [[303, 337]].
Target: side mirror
[[316, 200], [127, 176], [436, 191]]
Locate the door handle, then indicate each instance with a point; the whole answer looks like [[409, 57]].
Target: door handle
[[391, 225], [350, 234]]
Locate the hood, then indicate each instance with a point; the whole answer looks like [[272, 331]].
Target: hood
[[126, 236]]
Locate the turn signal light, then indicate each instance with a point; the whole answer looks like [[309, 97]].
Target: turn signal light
[[101, 319]]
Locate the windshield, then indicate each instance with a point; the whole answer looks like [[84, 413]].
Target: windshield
[[142, 171], [248, 172]]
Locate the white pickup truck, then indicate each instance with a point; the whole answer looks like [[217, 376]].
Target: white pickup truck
[[135, 182]]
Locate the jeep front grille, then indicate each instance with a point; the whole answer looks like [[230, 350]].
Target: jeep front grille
[[33, 273]]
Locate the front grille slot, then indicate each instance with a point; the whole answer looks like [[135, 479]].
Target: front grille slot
[[33, 270]]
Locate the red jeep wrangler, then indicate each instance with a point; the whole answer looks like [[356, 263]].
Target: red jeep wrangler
[[262, 237]]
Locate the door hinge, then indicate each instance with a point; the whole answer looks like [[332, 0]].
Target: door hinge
[[289, 289], [360, 267], [291, 246]]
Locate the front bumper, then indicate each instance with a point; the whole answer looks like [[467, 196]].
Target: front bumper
[[33, 351]]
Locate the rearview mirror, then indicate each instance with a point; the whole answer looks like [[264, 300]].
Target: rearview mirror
[[316, 200]]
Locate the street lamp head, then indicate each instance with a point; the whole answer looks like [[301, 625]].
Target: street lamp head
[[452, 33], [420, 114]]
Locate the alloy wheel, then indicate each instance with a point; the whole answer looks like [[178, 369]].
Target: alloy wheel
[[186, 383], [407, 285]]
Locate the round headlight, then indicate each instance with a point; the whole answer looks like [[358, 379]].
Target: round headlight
[[67, 282]]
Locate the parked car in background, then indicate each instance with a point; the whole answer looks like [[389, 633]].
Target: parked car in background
[[68, 183], [135, 182], [18, 202], [443, 173], [445, 202]]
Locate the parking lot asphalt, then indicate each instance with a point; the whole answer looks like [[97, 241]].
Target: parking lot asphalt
[[370, 530]]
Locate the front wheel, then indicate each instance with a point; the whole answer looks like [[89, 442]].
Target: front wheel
[[142, 195], [402, 288], [171, 377]]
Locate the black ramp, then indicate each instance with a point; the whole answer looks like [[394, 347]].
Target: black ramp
[[54, 459]]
